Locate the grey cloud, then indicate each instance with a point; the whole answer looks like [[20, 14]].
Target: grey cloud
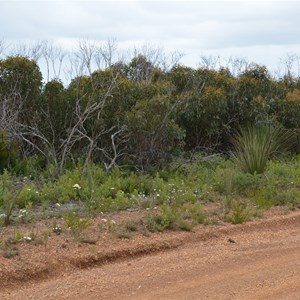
[[190, 26]]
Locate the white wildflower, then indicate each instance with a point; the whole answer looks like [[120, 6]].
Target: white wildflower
[[76, 186], [23, 213], [57, 229], [27, 238]]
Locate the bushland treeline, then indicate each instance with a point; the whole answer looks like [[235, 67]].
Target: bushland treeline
[[139, 113]]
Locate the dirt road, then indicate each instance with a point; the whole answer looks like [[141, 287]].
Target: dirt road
[[259, 260]]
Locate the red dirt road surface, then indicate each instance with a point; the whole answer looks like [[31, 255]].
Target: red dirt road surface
[[257, 260]]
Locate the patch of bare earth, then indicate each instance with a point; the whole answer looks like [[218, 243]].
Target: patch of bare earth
[[256, 260]]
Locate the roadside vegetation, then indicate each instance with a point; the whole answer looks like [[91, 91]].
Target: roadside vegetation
[[209, 190], [182, 146]]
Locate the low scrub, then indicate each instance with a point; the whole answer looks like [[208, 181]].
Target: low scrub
[[176, 198]]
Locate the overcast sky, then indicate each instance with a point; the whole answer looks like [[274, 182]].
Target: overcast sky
[[259, 31]]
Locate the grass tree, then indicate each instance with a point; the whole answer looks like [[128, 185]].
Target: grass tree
[[254, 146]]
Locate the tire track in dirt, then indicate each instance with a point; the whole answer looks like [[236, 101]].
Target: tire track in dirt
[[263, 263]]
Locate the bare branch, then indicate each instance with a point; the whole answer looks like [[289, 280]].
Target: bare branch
[[104, 54], [32, 51], [2, 48], [116, 152]]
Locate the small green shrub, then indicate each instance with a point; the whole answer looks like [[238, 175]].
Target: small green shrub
[[169, 216], [10, 252], [29, 194], [87, 240], [131, 225], [263, 198], [68, 187], [175, 217], [124, 234], [290, 197], [6, 187], [74, 222], [14, 239], [194, 211], [185, 225], [239, 212], [154, 223], [31, 167], [246, 184], [8, 196]]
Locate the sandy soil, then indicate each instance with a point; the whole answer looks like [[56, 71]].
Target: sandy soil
[[257, 260]]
